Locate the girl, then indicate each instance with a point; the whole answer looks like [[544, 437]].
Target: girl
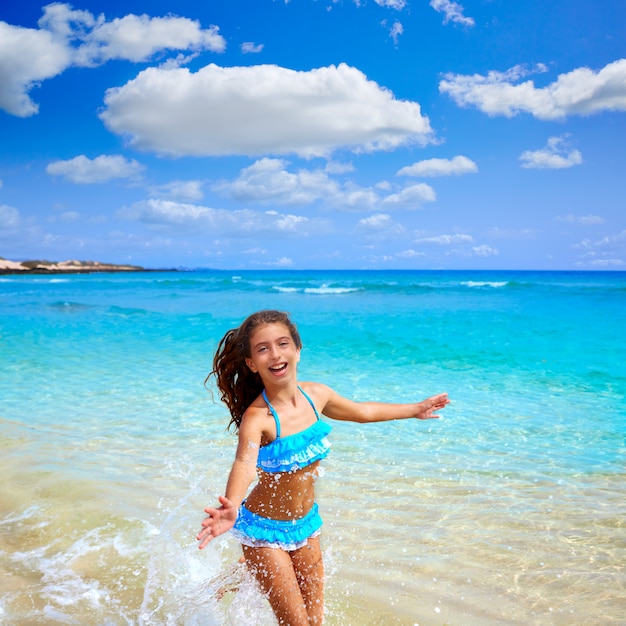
[[281, 441]]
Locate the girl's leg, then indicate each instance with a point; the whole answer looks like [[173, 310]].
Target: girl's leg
[[309, 568], [274, 571]]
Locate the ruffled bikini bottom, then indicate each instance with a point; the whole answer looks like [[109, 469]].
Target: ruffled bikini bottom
[[257, 531]]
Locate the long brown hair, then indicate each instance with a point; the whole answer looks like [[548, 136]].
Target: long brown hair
[[238, 384]]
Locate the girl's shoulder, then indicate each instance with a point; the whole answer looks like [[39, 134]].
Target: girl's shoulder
[[318, 392], [257, 422]]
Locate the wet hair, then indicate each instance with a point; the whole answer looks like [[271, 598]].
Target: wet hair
[[239, 386]]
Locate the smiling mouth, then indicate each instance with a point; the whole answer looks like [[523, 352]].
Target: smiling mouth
[[278, 368]]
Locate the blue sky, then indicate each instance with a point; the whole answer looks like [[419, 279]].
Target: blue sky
[[383, 134]]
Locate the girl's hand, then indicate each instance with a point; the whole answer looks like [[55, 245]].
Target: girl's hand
[[218, 522], [426, 409]]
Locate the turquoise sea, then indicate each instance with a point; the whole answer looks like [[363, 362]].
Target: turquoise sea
[[510, 509]]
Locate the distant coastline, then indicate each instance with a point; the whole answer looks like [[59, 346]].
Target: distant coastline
[[64, 267]]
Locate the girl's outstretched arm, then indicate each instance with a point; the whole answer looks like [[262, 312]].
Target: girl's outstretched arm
[[340, 408], [221, 519]]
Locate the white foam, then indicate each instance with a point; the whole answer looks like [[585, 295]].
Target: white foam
[[325, 289], [485, 283]]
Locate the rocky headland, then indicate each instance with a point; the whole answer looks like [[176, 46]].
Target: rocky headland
[[63, 267]]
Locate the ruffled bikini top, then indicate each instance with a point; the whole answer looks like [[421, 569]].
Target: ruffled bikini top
[[286, 454]]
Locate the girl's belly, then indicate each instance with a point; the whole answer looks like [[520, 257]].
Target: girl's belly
[[285, 495]]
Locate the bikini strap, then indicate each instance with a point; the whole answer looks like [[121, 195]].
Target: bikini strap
[[310, 402], [273, 412], [275, 415]]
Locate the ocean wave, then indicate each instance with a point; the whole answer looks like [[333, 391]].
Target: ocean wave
[[485, 283], [321, 290], [324, 289]]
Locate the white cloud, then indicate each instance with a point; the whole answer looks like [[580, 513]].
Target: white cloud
[[607, 263], [585, 220], [249, 47], [395, 31], [269, 181], [485, 250], [398, 5], [102, 169], [409, 254], [180, 190], [507, 233], [579, 92], [440, 167], [376, 222], [27, 56], [159, 214], [66, 38], [609, 251], [334, 167], [69, 216], [9, 217], [446, 240], [411, 197], [137, 37], [280, 262], [263, 109], [556, 155], [453, 12], [378, 228]]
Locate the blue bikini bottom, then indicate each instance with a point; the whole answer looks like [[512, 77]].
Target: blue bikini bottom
[[257, 531]]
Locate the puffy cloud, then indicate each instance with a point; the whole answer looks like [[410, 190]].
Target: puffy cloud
[[334, 167], [453, 12], [556, 155], [249, 47], [269, 181], [398, 5], [579, 92], [263, 109], [440, 167], [376, 222], [411, 197], [102, 169], [27, 56], [585, 220], [179, 190], [66, 38], [167, 215], [137, 38]]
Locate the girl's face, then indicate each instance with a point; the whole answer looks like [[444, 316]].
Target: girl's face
[[273, 353]]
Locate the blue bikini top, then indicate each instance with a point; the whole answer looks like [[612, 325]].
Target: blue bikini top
[[286, 454]]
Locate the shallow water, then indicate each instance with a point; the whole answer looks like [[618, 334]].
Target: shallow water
[[508, 510]]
